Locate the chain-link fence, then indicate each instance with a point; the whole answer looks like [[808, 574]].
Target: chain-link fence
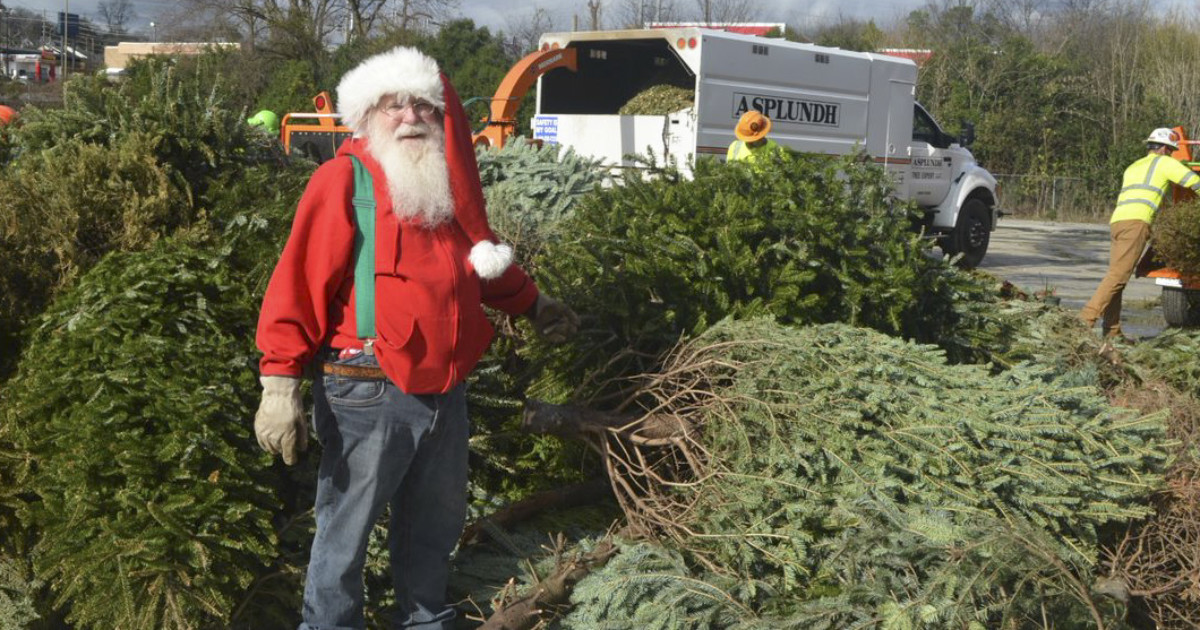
[[1058, 198]]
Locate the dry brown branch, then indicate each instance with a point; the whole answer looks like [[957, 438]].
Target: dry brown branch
[[1158, 561], [526, 611], [652, 446], [583, 423]]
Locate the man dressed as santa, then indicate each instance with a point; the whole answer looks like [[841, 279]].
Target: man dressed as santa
[[380, 288]]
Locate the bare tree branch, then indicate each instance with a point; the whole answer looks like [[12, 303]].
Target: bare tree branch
[[116, 14]]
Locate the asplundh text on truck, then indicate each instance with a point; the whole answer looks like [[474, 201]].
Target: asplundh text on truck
[[820, 100]]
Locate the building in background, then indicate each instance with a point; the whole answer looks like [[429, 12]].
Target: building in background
[[33, 65], [119, 56]]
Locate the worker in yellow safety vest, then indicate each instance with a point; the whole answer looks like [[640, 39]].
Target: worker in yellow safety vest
[[1142, 190], [752, 143]]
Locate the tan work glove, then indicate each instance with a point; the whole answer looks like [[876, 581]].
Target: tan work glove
[[279, 423], [553, 320]]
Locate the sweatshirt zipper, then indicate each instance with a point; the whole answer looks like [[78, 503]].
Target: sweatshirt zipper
[[440, 234]]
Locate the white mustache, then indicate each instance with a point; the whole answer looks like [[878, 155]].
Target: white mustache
[[411, 131]]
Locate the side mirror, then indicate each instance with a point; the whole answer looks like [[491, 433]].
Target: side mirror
[[966, 136]]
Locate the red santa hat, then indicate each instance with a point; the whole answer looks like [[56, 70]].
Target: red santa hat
[[409, 73]]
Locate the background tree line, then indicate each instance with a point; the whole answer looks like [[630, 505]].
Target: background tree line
[[1061, 91]]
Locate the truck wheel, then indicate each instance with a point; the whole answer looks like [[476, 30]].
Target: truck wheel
[[971, 234], [1181, 307]]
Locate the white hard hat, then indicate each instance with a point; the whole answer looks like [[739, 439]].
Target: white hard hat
[[1162, 135]]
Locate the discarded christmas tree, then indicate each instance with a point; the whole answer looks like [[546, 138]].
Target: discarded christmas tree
[[845, 475]]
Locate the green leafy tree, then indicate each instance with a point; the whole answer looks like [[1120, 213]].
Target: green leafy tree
[[474, 59], [1071, 97], [291, 88], [859, 35]]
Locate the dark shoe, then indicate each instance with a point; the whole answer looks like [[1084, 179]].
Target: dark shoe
[[1118, 337]]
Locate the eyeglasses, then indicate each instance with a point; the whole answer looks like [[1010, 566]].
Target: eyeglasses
[[420, 108]]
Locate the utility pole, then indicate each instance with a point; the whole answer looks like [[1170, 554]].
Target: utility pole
[[65, 20], [7, 55]]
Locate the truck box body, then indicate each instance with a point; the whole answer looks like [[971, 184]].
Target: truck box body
[[820, 100]]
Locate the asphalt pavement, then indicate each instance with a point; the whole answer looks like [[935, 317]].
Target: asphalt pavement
[[1071, 258]]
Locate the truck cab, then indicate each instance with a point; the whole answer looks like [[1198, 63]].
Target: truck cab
[[820, 100], [958, 195]]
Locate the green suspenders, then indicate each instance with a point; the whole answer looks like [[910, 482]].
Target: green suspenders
[[364, 253]]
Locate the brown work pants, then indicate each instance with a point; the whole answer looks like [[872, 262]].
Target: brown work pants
[[1128, 241]]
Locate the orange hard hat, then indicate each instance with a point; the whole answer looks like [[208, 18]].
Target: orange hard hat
[[752, 127], [7, 114]]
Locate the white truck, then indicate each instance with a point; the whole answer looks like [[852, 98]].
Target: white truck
[[820, 100]]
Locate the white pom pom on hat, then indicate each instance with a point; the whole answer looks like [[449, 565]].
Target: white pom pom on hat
[[407, 72], [490, 259]]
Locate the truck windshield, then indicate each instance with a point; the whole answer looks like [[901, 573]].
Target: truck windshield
[[610, 73], [926, 129]]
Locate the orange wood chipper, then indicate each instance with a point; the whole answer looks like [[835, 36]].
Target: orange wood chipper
[[317, 135]]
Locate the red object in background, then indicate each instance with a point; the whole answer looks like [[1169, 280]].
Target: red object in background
[[7, 114], [745, 28], [918, 55]]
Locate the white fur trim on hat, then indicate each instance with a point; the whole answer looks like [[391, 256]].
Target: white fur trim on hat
[[404, 71], [489, 259]]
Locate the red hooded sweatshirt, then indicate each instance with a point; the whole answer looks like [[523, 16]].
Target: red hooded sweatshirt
[[429, 320]]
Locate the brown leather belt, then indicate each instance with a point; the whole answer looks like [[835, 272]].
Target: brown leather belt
[[364, 372]]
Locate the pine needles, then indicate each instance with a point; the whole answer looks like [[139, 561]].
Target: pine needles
[[843, 468], [1176, 239]]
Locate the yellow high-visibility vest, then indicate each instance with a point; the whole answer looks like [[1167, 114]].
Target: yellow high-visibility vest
[[739, 150], [1144, 184]]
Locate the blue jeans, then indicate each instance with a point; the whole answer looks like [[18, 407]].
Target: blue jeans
[[380, 447]]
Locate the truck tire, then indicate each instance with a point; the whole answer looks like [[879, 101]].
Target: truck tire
[[971, 234], [1181, 307]]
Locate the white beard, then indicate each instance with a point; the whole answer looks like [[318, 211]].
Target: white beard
[[417, 177]]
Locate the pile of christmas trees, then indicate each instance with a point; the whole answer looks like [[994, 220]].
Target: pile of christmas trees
[[1176, 237], [774, 370], [843, 477]]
